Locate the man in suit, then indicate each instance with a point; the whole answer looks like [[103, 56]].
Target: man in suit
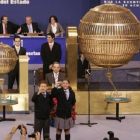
[[56, 76], [50, 53], [83, 68], [14, 74], [29, 26], [7, 27]]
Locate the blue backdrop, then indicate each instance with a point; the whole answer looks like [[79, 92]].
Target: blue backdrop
[[69, 12]]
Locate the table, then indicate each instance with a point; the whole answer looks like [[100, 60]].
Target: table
[[33, 46], [112, 100], [9, 102]]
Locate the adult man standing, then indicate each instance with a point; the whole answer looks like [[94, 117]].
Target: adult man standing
[[14, 74], [7, 27], [50, 53], [29, 26], [83, 68], [55, 76]]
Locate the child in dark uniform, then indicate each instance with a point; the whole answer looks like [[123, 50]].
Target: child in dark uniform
[[65, 100], [43, 104]]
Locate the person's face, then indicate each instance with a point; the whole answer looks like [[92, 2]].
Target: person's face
[[82, 56], [5, 20], [65, 84], [56, 68], [28, 20], [43, 87], [50, 39], [17, 42], [53, 21]]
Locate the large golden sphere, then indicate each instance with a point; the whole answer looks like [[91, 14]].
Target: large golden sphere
[[109, 35], [8, 58]]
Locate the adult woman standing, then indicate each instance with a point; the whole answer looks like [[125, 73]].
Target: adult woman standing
[[65, 100], [54, 26]]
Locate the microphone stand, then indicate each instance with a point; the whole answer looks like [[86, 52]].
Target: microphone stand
[[88, 123], [34, 92]]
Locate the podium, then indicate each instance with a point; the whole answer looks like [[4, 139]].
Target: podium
[[33, 34]]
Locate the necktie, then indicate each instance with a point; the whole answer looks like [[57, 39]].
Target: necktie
[[18, 50], [50, 47], [56, 78], [29, 29], [66, 94], [5, 29]]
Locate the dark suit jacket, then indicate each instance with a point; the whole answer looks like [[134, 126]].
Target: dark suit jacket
[[24, 28], [49, 57], [82, 67], [21, 52], [11, 28], [42, 105], [50, 77], [64, 106]]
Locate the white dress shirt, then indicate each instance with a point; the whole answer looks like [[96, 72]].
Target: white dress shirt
[[67, 93], [82, 60], [3, 28], [30, 28], [44, 94], [17, 49], [51, 44], [54, 28], [56, 77]]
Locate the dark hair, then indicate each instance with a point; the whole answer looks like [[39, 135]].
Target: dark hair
[[80, 53], [55, 18], [3, 17], [42, 82], [16, 37], [51, 34], [66, 79]]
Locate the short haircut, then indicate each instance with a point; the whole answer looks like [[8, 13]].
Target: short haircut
[[51, 34], [17, 37], [55, 18], [28, 17], [56, 63], [42, 82], [3, 17], [66, 79]]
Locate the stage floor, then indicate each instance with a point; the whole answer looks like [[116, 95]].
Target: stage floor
[[128, 129]]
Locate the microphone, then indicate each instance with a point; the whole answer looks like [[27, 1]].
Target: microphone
[[88, 71], [34, 73]]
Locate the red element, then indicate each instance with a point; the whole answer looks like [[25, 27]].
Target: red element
[[53, 112]]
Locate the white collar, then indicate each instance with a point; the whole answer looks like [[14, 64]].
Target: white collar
[[66, 89], [54, 25], [51, 43], [4, 24], [56, 73], [17, 47], [29, 24]]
